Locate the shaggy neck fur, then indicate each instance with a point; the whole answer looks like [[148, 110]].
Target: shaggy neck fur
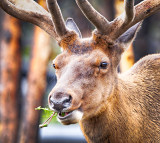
[[103, 127], [132, 113]]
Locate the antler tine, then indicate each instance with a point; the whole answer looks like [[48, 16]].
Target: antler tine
[[129, 11], [99, 21], [31, 12], [125, 19], [133, 15], [57, 17]]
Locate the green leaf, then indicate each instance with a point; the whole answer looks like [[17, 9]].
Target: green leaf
[[44, 109], [47, 113], [43, 125], [62, 114]]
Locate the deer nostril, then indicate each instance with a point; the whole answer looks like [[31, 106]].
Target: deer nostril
[[60, 103], [51, 102], [67, 101]]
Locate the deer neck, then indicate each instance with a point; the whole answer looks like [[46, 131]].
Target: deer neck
[[103, 127]]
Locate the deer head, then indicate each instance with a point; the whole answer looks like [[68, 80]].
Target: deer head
[[87, 68], [86, 73]]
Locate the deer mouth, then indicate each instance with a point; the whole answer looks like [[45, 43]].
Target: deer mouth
[[64, 115], [71, 117]]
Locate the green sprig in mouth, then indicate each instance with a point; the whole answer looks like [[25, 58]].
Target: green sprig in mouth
[[48, 112]]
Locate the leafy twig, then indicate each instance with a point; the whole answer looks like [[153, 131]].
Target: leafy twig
[[46, 123]]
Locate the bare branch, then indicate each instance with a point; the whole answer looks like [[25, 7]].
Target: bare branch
[[31, 12], [57, 17], [100, 22], [142, 10]]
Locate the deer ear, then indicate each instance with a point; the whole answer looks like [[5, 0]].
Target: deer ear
[[71, 25], [128, 37]]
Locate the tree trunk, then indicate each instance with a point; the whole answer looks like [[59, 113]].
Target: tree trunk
[[36, 85], [1, 19], [127, 59], [10, 63]]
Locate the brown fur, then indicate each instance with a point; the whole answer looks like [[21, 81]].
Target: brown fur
[[117, 108], [132, 112]]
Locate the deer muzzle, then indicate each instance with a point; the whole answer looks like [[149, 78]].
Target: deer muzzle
[[62, 104]]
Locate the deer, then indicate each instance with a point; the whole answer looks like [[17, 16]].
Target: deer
[[110, 107]]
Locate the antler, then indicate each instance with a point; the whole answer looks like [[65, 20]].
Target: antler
[[129, 11], [31, 12], [141, 11], [118, 26], [100, 22], [57, 17]]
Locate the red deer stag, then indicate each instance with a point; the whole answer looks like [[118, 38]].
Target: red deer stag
[[110, 107]]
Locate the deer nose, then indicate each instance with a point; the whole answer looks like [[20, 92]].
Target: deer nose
[[60, 101]]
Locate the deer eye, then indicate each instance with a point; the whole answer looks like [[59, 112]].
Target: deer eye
[[103, 65], [54, 66]]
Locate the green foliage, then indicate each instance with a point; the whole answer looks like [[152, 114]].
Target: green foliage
[[46, 111], [43, 125], [47, 116]]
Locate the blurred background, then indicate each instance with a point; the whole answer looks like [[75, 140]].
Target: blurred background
[[27, 75]]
